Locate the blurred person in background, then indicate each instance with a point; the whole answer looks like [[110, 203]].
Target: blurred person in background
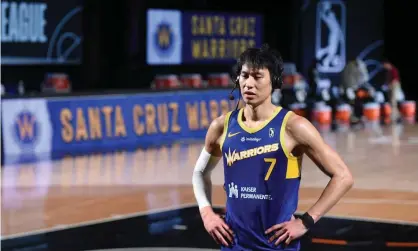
[[313, 80], [354, 77], [262, 146], [393, 84]]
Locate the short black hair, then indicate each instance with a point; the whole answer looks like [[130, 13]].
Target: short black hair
[[258, 58]]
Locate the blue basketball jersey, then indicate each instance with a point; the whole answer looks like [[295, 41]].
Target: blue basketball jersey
[[261, 180]]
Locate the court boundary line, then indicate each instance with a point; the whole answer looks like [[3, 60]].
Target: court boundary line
[[354, 218], [366, 201], [369, 219], [368, 189], [156, 249], [116, 217]]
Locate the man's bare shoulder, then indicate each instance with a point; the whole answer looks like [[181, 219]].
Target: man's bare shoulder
[[300, 129], [214, 135], [217, 125], [296, 121]]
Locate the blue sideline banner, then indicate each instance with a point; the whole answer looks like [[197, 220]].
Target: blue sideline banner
[[121, 121], [96, 123]]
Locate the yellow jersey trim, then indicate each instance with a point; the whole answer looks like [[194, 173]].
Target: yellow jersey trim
[[293, 167], [282, 137], [226, 123], [257, 128]]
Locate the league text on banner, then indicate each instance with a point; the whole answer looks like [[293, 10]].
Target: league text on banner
[[41, 32], [23, 22]]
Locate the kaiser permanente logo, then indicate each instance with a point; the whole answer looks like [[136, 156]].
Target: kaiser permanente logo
[[246, 193], [231, 158]]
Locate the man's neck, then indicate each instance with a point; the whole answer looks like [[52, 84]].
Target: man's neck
[[259, 113]]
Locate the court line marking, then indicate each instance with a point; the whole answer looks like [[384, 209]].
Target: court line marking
[[366, 201], [155, 249], [183, 206], [350, 243], [354, 218], [98, 221], [369, 219]]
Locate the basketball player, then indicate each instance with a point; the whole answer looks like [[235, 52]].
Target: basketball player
[[262, 147]]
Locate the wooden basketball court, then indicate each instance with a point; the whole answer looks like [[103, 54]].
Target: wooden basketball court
[[80, 190]]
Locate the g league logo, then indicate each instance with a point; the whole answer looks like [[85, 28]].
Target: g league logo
[[330, 36]]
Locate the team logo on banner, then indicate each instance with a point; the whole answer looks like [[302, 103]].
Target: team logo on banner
[[26, 127], [330, 46], [164, 40]]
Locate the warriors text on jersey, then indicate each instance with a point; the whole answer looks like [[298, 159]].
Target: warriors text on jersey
[[261, 180]]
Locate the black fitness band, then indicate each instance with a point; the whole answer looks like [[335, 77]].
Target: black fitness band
[[307, 220]]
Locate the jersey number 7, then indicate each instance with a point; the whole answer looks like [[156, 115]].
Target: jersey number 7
[[292, 171], [272, 165]]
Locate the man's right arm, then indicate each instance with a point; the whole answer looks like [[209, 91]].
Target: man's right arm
[[202, 184], [207, 161]]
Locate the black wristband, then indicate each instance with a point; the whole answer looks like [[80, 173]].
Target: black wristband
[[307, 220]]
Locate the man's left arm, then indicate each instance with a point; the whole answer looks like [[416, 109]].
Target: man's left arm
[[303, 135]]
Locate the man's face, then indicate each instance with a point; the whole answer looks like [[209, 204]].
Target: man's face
[[255, 85]]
